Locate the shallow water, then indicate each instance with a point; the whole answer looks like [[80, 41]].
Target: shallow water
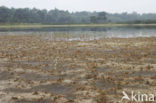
[[84, 33]]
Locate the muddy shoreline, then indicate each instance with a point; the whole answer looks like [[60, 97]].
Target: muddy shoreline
[[35, 70]]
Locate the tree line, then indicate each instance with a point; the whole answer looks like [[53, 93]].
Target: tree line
[[26, 15]]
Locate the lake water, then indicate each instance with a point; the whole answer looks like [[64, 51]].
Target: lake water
[[84, 33]]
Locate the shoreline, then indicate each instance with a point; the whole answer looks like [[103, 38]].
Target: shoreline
[[33, 26]]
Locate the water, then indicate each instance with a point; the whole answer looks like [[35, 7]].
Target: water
[[84, 33]]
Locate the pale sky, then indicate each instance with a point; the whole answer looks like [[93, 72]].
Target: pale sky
[[140, 6]]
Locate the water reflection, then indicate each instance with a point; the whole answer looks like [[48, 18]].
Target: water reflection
[[84, 33]]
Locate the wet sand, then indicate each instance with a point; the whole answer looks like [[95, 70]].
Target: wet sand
[[36, 70]]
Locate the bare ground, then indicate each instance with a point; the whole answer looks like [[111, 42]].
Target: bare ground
[[35, 70]]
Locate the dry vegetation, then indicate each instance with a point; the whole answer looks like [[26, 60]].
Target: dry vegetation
[[35, 70]]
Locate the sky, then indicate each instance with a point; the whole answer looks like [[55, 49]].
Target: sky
[[112, 6]]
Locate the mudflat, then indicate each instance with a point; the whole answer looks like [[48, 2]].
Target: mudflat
[[37, 70]]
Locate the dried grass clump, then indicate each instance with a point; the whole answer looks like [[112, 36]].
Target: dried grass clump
[[139, 78], [153, 77], [102, 98]]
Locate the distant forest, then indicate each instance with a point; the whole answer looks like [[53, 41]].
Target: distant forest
[[26, 15]]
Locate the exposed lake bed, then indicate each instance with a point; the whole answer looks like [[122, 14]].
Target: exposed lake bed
[[46, 69]]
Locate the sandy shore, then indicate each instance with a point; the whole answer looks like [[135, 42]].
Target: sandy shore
[[35, 70]]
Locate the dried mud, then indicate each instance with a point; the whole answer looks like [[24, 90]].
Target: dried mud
[[35, 70]]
